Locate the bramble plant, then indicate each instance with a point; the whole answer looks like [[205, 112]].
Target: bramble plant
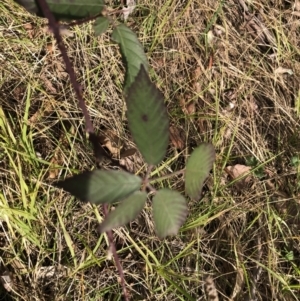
[[147, 121]]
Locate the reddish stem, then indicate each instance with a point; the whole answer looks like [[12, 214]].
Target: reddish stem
[[88, 123]]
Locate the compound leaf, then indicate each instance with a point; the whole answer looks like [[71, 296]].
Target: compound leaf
[[169, 212], [127, 211], [147, 118], [66, 9], [101, 25], [101, 186], [132, 52], [197, 169]]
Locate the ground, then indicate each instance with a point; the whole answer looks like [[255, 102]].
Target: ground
[[229, 71]]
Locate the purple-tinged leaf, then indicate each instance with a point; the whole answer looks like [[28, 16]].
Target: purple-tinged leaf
[[101, 25], [132, 52], [169, 212], [126, 212], [66, 9], [197, 169], [147, 118], [101, 186]]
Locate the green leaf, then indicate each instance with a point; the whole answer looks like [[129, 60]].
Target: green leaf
[[101, 186], [147, 118], [66, 9], [169, 212], [197, 169], [132, 52], [101, 25], [126, 212]]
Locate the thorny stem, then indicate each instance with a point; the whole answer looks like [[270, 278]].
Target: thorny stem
[[88, 123], [70, 70], [146, 182], [146, 178], [115, 255]]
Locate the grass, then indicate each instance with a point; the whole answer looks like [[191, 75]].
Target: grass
[[244, 233]]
